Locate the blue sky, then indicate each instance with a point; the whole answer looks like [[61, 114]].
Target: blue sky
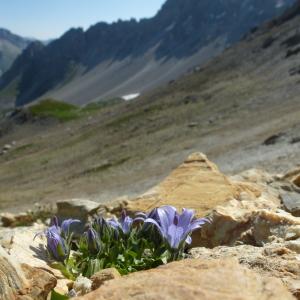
[[46, 19]]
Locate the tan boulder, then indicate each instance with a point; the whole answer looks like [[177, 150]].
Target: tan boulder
[[197, 184], [273, 260], [193, 279]]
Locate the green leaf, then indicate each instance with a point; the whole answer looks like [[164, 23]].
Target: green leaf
[[57, 296], [63, 269]]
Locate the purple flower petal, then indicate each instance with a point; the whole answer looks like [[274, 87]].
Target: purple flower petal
[[188, 240], [186, 218], [154, 222], [65, 226], [174, 236]]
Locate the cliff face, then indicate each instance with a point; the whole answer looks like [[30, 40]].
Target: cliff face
[[130, 56], [11, 46]]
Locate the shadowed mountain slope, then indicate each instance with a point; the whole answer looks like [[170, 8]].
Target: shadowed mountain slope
[[129, 57], [11, 46]]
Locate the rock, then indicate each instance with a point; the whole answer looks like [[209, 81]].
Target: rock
[[7, 219], [272, 260], [272, 140], [291, 202], [295, 140], [77, 209], [24, 282], [196, 184], [193, 279], [100, 277], [41, 282], [12, 278], [293, 176], [193, 124], [296, 180], [82, 286], [250, 222], [7, 147], [11, 220], [22, 246]]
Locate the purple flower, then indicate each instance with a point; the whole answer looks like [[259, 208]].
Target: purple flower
[[56, 245], [124, 224], [175, 228], [93, 240], [64, 228]]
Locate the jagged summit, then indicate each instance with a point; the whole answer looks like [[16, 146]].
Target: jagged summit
[[132, 56]]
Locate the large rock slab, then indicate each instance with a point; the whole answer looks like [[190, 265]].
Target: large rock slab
[[12, 278], [272, 260], [23, 281], [193, 279], [19, 242], [197, 184]]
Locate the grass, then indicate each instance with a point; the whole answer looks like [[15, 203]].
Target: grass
[[62, 111], [50, 108]]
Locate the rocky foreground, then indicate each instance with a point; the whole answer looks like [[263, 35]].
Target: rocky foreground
[[251, 249]]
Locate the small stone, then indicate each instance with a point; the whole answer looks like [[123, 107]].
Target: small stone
[[99, 278], [7, 147], [82, 286], [11, 220], [193, 125]]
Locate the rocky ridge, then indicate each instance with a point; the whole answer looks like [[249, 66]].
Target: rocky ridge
[[127, 57], [252, 243]]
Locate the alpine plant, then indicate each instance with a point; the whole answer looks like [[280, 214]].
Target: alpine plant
[[128, 244]]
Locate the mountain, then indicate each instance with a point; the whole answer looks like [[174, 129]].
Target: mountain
[[11, 46], [241, 108], [129, 57]]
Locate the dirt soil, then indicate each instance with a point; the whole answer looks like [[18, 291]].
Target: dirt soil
[[242, 109]]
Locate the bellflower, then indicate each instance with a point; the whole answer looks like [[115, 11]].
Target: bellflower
[[93, 240], [56, 245], [64, 228], [175, 228], [124, 223], [101, 226]]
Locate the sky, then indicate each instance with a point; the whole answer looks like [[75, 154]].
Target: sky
[[47, 19]]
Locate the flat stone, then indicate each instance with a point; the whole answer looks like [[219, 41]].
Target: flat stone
[[79, 209], [291, 202], [193, 279]]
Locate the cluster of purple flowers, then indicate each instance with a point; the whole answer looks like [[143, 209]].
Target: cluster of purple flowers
[[174, 228]]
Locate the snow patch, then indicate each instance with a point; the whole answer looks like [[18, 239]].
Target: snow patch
[[130, 96]]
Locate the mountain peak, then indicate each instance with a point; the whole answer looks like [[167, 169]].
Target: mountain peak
[[184, 33]]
